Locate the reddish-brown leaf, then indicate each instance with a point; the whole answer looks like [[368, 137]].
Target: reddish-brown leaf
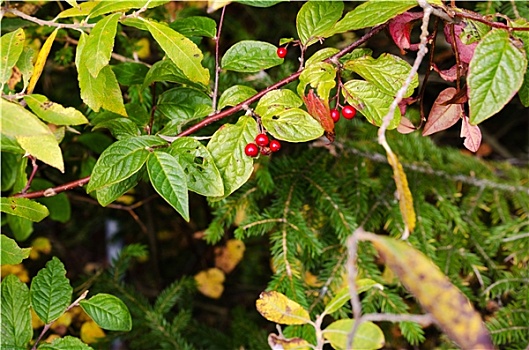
[[406, 126], [443, 116], [466, 52], [450, 74], [472, 135], [319, 110], [400, 29]]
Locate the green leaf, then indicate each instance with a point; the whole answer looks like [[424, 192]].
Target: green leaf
[[170, 181], [112, 6], [23, 207], [315, 18], [250, 56], [523, 92], [108, 311], [182, 51], [130, 73], [15, 314], [343, 295], [122, 160], [321, 55], [121, 128], [10, 144], [166, 70], [66, 343], [203, 177], [494, 75], [183, 104], [370, 101], [99, 44], [10, 166], [387, 72], [368, 335], [10, 252], [293, 125], [227, 149], [83, 9], [21, 228], [53, 112], [108, 194], [260, 3], [276, 101], [31, 134], [25, 64], [369, 14], [50, 291], [11, 47], [195, 26], [320, 76], [58, 205], [235, 95], [103, 91]]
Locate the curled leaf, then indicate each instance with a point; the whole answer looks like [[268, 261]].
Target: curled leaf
[[276, 307], [472, 135], [403, 190]]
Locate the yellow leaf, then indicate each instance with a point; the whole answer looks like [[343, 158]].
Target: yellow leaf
[[405, 197], [450, 308], [143, 48], [209, 282], [278, 342], [36, 322], [312, 280], [18, 270], [39, 245], [51, 338], [214, 5], [276, 307], [41, 61], [60, 326], [91, 332], [226, 258]]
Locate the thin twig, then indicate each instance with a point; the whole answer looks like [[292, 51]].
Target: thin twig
[[217, 65], [42, 22], [50, 192], [424, 320], [476, 17], [352, 273], [34, 169]]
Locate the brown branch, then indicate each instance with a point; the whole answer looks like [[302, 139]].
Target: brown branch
[[244, 105], [50, 192], [479, 18], [215, 117]]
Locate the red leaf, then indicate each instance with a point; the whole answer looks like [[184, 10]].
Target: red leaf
[[443, 116], [466, 52], [319, 110], [450, 74], [472, 135], [406, 126], [400, 29]]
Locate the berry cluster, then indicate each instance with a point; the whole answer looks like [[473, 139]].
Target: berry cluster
[[263, 144], [348, 112]]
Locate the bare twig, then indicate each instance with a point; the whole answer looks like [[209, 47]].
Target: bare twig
[[47, 326], [77, 26], [217, 65], [50, 192], [34, 169]]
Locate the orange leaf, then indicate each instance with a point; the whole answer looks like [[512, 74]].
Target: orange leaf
[[450, 308], [226, 258]]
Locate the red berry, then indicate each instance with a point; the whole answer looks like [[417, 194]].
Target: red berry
[[275, 146], [348, 112], [261, 140], [281, 52], [251, 150], [335, 115]]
